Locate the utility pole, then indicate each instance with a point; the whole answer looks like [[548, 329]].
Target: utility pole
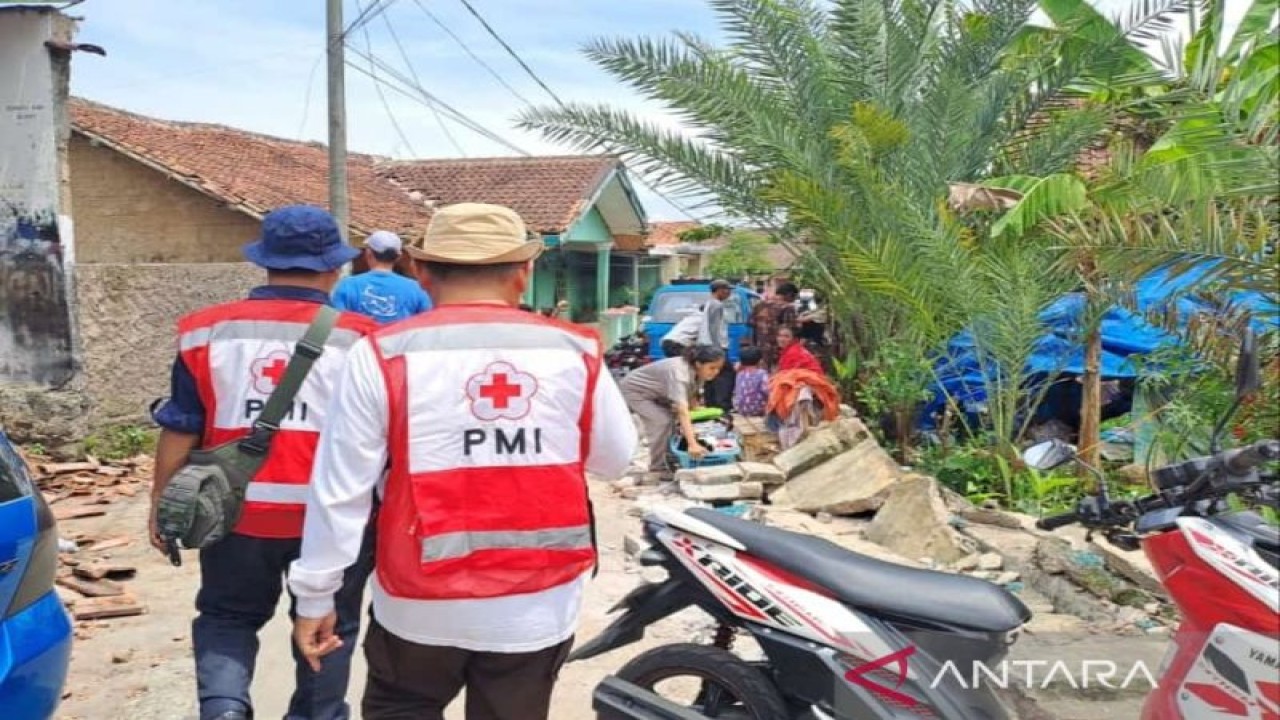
[[338, 204]]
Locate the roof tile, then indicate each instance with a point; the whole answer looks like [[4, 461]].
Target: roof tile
[[667, 234], [258, 172], [547, 192]]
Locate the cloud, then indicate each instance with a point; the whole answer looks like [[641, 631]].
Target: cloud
[[260, 66]]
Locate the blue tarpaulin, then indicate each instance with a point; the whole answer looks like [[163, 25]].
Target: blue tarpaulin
[[1126, 333]]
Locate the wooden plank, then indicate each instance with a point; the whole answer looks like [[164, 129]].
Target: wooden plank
[[109, 543], [107, 607], [98, 570], [71, 512], [91, 588], [64, 468]]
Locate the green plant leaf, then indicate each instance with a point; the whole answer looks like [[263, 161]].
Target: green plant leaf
[[1042, 199]]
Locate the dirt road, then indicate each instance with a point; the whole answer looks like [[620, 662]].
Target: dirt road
[[140, 668]]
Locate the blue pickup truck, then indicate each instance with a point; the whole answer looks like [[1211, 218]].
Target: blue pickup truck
[[673, 302]]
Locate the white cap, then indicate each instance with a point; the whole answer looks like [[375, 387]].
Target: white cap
[[382, 241]]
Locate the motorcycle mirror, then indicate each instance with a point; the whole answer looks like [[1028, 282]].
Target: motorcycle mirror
[[1049, 454], [1247, 372]]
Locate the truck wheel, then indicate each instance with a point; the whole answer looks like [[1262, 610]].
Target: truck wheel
[[722, 684]]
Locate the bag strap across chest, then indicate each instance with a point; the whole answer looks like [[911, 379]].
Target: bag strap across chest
[[308, 350]]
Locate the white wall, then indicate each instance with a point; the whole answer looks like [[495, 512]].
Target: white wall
[[35, 236]]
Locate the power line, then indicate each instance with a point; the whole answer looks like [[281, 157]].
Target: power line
[[366, 15], [306, 99], [510, 51], [457, 115], [423, 96], [466, 48], [409, 64], [368, 45]]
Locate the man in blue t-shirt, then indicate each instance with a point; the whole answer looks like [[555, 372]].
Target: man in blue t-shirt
[[381, 293]]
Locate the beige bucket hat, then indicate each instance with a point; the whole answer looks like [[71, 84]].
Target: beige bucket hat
[[476, 234]]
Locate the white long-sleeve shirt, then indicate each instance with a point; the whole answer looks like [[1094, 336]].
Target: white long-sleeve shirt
[[686, 331], [349, 467]]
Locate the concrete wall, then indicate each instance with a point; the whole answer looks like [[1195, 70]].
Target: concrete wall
[[35, 329], [150, 250], [126, 212], [39, 393], [128, 314]]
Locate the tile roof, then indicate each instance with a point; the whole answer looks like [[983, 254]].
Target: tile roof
[[254, 173], [547, 192], [667, 234], [251, 172]]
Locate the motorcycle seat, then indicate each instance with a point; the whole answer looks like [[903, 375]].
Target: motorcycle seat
[[884, 588]]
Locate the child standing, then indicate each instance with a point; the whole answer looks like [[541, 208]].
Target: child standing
[[751, 388]]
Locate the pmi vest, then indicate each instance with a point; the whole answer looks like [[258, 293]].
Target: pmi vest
[[489, 429], [237, 352]]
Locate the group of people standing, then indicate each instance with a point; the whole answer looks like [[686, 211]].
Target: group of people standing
[[697, 370], [408, 463]]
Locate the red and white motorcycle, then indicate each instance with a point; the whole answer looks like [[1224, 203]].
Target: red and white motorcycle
[[1219, 566], [848, 637]]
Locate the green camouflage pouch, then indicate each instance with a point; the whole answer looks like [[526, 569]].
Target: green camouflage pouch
[[201, 503]]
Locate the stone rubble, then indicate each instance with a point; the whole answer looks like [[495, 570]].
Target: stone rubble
[[838, 483]]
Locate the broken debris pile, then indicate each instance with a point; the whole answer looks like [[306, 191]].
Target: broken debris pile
[[89, 581], [83, 489], [839, 472]]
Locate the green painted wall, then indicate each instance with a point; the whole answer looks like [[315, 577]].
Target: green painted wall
[[580, 275], [542, 290], [650, 280], [591, 228]]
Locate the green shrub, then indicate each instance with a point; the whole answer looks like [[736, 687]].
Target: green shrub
[[121, 442]]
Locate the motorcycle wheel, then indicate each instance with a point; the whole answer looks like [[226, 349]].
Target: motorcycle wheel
[[730, 688]]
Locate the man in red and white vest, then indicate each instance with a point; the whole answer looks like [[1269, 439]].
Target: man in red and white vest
[[489, 420], [230, 358]]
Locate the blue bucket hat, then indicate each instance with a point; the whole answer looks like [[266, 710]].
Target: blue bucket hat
[[300, 237]]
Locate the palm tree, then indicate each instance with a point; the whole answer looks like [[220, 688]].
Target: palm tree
[[848, 122]]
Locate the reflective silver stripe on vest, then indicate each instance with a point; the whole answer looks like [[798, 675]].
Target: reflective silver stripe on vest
[[276, 493], [484, 336], [461, 544], [290, 332]]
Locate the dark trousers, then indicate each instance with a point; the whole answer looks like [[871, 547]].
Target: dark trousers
[[241, 578], [408, 681], [719, 391]]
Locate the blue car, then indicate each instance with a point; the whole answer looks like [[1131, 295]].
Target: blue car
[[35, 629], [673, 302]]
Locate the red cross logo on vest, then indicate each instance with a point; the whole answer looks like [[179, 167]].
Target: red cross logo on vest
[[268, 371], [501, 392]]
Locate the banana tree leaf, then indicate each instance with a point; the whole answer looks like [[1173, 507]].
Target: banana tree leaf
[[1095, 29], [1042, 199], [1254, 26]]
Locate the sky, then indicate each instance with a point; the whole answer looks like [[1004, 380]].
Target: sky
[[260, 66]]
